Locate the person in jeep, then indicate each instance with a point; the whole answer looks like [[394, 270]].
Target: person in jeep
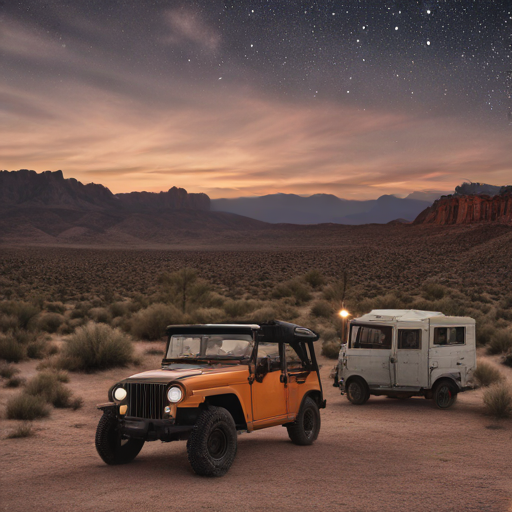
[[216, 380]]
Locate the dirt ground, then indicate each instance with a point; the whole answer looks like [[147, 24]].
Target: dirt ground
[[399, 455]]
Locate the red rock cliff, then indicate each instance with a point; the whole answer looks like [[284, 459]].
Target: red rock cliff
[[468, 210]]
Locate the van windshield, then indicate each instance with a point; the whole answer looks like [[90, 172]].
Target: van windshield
[[218, 346]]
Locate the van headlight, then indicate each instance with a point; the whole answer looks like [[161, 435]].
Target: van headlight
[[174, 394], [120, 394]]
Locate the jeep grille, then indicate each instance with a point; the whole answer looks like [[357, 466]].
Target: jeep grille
[[146, 400]]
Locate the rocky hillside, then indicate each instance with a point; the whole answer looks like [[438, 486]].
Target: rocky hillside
[[48, 189], [469, 209]]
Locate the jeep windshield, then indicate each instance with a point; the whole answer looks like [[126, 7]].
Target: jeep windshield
[[203, 347]]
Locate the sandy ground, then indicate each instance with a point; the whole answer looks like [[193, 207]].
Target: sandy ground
[[399, 455]]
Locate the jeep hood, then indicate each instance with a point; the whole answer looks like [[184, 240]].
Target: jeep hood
[[164, 376]]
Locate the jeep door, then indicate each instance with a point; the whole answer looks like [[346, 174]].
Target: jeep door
[[269, 395], [411, 366], [299, 379], [369, 353]]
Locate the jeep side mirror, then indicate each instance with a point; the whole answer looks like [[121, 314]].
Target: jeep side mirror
[[262, 368]]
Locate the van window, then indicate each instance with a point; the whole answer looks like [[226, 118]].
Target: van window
[[449, 336], [363, 336], [409, 339]]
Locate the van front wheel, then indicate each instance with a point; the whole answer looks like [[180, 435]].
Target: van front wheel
[[445, 395], [357, 392]]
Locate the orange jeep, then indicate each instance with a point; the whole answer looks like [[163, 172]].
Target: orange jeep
[[216, 380]]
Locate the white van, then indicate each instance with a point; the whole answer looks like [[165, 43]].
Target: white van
[[404, 353]]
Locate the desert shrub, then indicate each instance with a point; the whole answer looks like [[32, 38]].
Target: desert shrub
[[285, 312], [26, 407], [486, 374], [503, 313], [263, 315], [37, 349], [48, 386], [506, 302], [100, 315], [293, 288], [238, 308], [22, 430], [119, 309], [322, 308], [314, 278], [14, 382], [484, 333], [433, 291], [55, 307], [498, 399], [330, 349], [507, 360], [184, 288], [335, 292], [11, 349], [8, 322], [150, 323], [96, 347], [24, 313], [329, 334], [8, 370], [50, 322], [207, 315], [500, 342]]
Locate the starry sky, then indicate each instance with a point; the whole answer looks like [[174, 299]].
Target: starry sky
[[242, 98]]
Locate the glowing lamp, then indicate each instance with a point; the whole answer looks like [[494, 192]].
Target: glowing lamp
[[344, 313]]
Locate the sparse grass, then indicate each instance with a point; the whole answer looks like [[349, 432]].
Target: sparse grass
[[498, 399], [22, 430], [486, 374], [48, 386], [150, 323], [26, 407], [500, 342], [96, 347]]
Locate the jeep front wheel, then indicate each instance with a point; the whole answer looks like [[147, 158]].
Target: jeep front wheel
[[212, 444], [111, 446], [357, 392], [306, 427]]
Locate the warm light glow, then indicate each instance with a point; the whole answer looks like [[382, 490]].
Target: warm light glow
[[344, 313]]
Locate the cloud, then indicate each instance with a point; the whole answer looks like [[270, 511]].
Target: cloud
[[186, 26]]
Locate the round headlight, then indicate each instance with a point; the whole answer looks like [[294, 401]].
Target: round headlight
[[120, 394], [174, 394]]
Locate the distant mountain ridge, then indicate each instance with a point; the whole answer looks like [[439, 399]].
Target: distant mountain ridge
[[26, 188], [323, 208]]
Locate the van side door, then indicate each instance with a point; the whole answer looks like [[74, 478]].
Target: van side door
[[411, 366]]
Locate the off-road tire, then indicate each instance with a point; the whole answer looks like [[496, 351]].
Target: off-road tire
[[357, 392], [212, 444], [306, 427], [111, 446], [445, 395]]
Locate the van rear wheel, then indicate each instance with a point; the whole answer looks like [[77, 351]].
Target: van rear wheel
[[445, 395], [357, 392]]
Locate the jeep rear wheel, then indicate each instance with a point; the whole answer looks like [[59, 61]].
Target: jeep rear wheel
[[445, 395], [306, 427], [111, 446], [212, 444], [357, 392]]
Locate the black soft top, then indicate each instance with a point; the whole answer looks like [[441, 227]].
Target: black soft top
[[277, 332]]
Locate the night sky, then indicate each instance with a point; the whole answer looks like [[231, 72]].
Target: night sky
[[240, 98]]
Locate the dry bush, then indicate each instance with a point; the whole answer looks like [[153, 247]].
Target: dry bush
[[293, 288], [507, 360], [486, 374], [263, 315], [239, 308], [484, 332], [14, 382], [314, 278], [26, 407], [150, 323], [8, 370], [96, 347], [184, 288], [100, 315], [207, 316], [8, 322], [22, 430], [335, 292], [119, 309], [56, 307], [11, 349], [323, 309], [500, 342], [433, 291], [24, 312], [328, 334], [331, 349], [498, 399], [49, 387], [50, 322]]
